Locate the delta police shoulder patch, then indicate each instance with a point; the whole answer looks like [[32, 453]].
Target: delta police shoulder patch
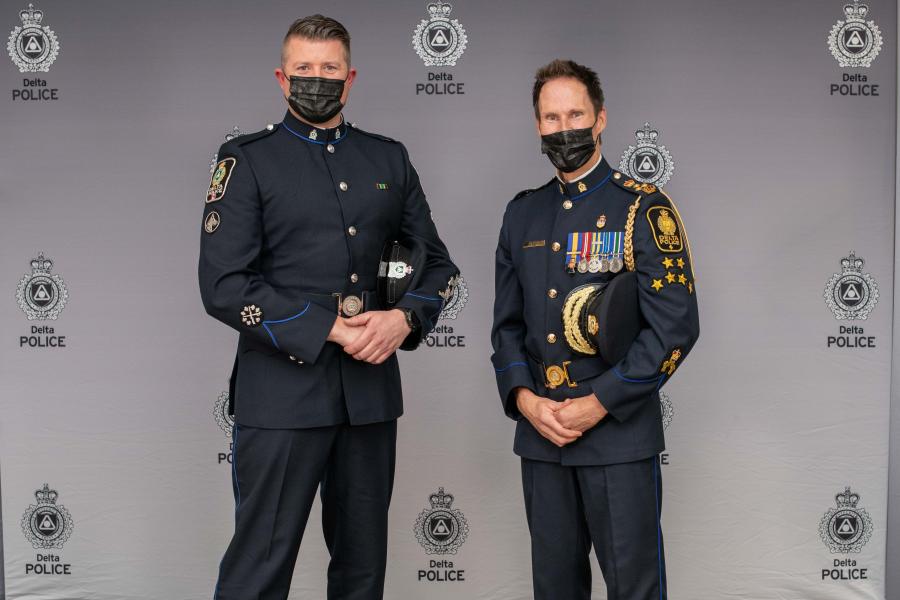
[[219, 182], [665, 229]]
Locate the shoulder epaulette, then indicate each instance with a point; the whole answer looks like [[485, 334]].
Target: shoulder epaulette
[[377, 136], [252, 137], [524, 193], [632, 185]]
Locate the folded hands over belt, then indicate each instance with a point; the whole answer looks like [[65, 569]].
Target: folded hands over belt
[[372, 336], [560, 422]]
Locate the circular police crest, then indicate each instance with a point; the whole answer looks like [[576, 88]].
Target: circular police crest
[[223, 419], [439, 41], [32, 47], [845, 528], [441, 529], [855, 42], [667, 409], [235, 132], [47, 524], [851, 294], [647, 161], [40, 294], [455, 297]]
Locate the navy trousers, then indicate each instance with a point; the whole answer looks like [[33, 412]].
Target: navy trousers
[[615, 509], [275, 475]]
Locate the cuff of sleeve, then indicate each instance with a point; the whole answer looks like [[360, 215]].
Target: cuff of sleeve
[[426, 308], [511, 373], [304, 334], [622, 397]]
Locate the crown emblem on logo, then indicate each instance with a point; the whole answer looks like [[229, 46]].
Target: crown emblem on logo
[[851, 294], [845, 528], [441, 529], [40, 294], [441, 499], [47, 524], [439, 41], [645, 160], [855, 42], [32, 47]]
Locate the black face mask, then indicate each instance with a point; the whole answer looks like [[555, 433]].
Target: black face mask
[[569, 150], [316, 99]]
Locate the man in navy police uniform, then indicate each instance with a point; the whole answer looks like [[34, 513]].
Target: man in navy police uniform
[[295, 220], [589, 433]]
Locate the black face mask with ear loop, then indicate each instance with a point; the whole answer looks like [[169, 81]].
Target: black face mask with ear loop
[[570, 149], [316, 99]]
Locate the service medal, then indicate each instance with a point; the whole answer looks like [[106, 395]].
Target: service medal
[[594, 264]]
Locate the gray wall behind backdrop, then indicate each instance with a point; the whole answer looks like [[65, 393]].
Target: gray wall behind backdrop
[[776, 177]]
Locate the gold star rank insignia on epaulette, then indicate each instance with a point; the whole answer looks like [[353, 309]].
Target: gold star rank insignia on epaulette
[[657, 284], [668, 262], [219, 182], [670, 277], [665, 229]]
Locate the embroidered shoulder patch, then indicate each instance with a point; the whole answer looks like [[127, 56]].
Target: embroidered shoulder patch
[[664, 226], [219, 181]]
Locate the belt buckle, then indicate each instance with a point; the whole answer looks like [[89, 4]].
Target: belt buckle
[[556, 375], [349, 306]]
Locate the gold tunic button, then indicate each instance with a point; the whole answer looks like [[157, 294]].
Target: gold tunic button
[[343, 185], [351, 230], [551, 337], [567, 204], [555, 246], [617, 175], [354, 278], [551, 292]]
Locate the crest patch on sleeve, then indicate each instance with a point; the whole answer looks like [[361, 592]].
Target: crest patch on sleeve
[[219, 181], [666, 232]]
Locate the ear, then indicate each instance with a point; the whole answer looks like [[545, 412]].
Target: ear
[[601, 122], [283, 82], [348, 83]]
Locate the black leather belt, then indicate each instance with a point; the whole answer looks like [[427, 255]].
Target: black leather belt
[[348, 305], [567, 373]]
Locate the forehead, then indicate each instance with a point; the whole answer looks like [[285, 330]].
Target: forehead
[[304, 50], [563, 93]]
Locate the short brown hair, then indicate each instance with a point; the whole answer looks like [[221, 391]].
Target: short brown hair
[[318, 27], [567, 68]]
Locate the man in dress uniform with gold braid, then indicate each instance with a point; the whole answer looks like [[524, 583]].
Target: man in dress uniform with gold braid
[[296, 219], [595, 310]]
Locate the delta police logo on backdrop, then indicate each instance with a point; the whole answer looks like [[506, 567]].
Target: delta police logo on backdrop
[[47, 525], [235, 132], [455, 298], [226, 424], [647, 161], [854, 43], [42, 295], [851, 295], [845, 529], [441, 529], [33, 47], [439, 41]]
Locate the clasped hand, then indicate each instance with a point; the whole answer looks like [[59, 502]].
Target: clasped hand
[[560, 422], [371, 336]]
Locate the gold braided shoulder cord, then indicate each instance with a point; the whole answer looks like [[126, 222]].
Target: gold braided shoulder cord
[[571, 310], [684, 234], [629, 234]]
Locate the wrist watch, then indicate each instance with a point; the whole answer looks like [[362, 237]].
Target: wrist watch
[[411, 319]]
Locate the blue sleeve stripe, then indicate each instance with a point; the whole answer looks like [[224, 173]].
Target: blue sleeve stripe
[[629, 380], [510, 365], [267, 323], [431, 298]]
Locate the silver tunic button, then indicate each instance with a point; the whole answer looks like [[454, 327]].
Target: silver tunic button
[[330, 148], [567, 204], [354, 277], [351, 230], [270, 127], [343, 185]]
